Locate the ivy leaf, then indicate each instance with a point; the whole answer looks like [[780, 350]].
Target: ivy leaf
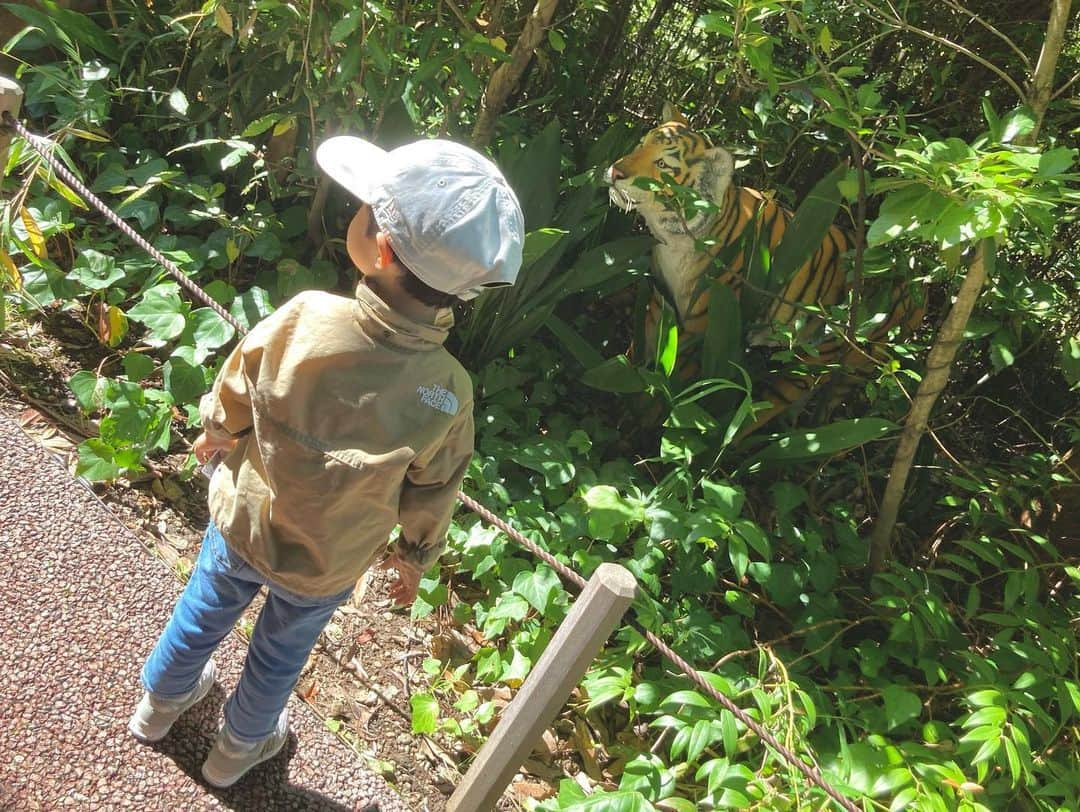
[[539, 588], [510, 607], [425, 713], [88, 390], [162, 311], [210, 331], [95, 270], [608, 509], [547, 457], [96, 461], [186, 382], [138, 366]]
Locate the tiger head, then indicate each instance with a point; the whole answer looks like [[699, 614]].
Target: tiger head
[[670, 149]]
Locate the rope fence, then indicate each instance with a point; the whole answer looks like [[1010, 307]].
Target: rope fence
[[810, 771]]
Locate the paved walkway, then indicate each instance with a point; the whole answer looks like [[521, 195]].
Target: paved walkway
[[81, 605]]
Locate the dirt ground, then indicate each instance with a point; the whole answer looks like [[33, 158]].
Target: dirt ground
[[367, 665]]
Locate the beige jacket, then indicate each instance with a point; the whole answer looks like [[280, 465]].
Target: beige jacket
[[352, 419]]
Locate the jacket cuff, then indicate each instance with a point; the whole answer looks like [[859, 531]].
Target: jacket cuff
[[423, 558]]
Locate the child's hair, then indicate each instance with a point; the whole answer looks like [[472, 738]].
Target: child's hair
[[418, 289], [412, 284]]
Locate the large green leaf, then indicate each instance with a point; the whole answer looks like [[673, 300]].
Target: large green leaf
[[95, 270], [534, 172], [582, 351], [162, 311], [616, 374], [210, 331], [609, 509], [901, 705], [63, 26], [807, 228], [539, 588], [425, 713], [835, 438], [723, 342], [548, 457]]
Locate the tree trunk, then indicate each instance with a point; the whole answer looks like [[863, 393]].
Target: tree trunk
[[505, 78], [938, 366], [947, 342]]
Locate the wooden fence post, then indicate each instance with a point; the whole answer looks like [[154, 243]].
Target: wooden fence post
[[10, 102], [595, 613]]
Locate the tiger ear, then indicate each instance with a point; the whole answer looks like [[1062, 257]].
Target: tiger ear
[[671, 113]]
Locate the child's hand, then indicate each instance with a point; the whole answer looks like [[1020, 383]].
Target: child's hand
[[206, 447], [404, 589]]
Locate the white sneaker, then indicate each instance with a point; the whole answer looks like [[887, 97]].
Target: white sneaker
[[230, 759], [155, 715]]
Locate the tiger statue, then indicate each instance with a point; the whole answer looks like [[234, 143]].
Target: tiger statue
[[740, 214]]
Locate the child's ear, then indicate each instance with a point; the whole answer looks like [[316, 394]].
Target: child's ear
[[386, 251]]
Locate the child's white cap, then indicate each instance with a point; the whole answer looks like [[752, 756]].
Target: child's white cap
[[452, 218]]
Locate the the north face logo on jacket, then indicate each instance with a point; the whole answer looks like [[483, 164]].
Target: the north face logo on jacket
[[438, 397]]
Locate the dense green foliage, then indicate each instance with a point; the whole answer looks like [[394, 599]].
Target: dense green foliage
[[947, 681]]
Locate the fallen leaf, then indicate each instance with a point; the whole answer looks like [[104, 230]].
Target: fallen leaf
[[532, 789]]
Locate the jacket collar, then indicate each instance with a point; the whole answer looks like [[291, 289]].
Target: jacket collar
[[385, 325]]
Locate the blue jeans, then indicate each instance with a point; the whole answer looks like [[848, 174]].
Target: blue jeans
[[221, 587]]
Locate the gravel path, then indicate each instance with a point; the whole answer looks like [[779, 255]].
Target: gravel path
[[81, 605]]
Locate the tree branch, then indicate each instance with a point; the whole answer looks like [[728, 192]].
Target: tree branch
[[896, 21], [505, 78]]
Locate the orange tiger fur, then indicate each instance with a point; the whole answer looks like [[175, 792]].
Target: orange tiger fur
[[674, 149]]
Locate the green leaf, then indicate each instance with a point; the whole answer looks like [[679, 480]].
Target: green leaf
[[138, 366], [1069, 360], [210, 330], [548, 457], [538, 243], [425, 713], [1002, 349], [539, 588], [87, 388], [1018, 122], [724, 341], [1056, 161], [730, 732], [184, 381], [901, 706], [597, 265], [97, 461], [608, 510], [162, 311], [1013, 757], [990, 696], [826, 441], [251, 307], [728, 498], [616, 374], [261, 125], [807, 229], [178, 101], [582, 351], [556, 41], [534, 172], [509, 608], [95, 270]]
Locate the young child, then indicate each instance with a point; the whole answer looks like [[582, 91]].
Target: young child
[[339, 418]]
